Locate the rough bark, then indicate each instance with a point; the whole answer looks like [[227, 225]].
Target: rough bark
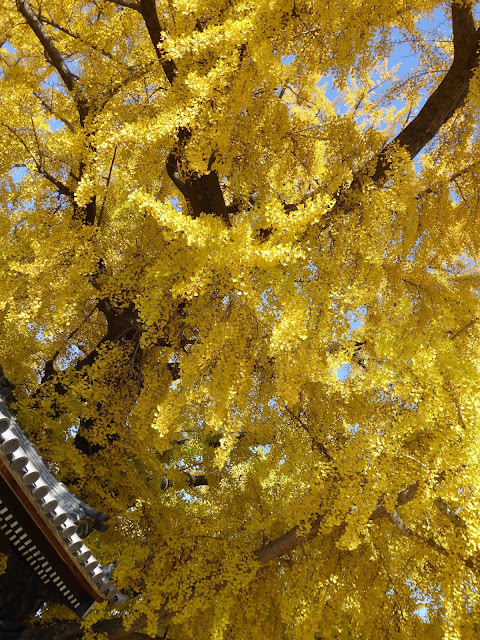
[[438, 109], [447, 98], [294, 538]]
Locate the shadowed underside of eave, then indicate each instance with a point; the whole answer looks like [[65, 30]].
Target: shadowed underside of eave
[[44, 523]]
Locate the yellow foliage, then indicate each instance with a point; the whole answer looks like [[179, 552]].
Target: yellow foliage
[[310, 346]]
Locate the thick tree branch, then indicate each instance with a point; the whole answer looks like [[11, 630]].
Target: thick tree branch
[[293, 538], [443, 507], [287, 542], [463, 27], [87, 213], [50, 49], [61, 188], [148, 10], [398, 523], [127, 3], [465, 327], [404, 496], [202, 193], [449, 96]]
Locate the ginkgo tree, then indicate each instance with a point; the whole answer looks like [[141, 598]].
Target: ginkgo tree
[[239, 304]]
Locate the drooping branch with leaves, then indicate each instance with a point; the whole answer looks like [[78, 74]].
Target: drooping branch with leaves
[[239, 306]]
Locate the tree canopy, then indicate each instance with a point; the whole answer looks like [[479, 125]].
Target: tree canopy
[[239, 304]]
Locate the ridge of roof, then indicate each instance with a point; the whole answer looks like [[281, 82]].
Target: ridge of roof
[[67, 520]]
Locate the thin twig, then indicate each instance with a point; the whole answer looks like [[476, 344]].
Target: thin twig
[[319, 445], [100, 215]]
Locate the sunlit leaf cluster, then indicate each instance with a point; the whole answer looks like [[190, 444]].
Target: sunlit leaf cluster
[[314, 357]]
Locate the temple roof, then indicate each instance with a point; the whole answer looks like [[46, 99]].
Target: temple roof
[[46, 523]]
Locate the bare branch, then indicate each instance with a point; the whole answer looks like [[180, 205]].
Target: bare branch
[[396, 520], [50, 109], [404, 496], [61, 188], [318, 445]]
